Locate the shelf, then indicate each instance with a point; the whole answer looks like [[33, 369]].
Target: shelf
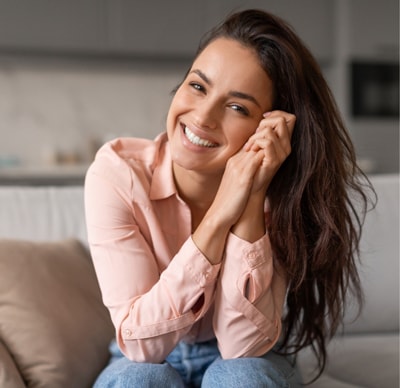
[[57, 175]]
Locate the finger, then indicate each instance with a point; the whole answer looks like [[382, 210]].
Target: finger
[[245, 163], [273, 151], [269, 137], [289, 118], [280, 122], [278, 126]]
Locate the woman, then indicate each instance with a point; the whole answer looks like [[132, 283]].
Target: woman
[[229, 241]]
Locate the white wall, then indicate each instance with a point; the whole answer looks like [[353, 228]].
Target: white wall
[[61, 107], [367, 31], [69, 106]]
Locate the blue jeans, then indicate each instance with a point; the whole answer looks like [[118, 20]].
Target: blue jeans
[[198, 365]]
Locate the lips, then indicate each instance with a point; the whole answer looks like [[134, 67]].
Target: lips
[[198, 141]]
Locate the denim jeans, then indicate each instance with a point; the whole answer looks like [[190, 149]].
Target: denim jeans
[[198, 365]]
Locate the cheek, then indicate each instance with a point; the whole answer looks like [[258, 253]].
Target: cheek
[[240, 134], [172, 116], [177, 106]]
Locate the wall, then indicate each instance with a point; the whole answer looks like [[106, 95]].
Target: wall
[[66, 108], [54, 108], [367, 31]]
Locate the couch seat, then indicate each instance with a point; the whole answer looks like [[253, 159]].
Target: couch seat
[[374, 360]]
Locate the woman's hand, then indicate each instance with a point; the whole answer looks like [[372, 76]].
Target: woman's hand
[[271, 142], [239, 203], [270, 145], [235, 187], [251, 169]]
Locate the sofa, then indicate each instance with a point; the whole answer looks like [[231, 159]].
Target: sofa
[[55, 331], [365, 352]]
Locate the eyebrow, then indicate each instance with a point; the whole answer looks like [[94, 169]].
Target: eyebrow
[[232, 93]]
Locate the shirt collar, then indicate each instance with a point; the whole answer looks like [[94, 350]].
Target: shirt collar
[[163, 184]]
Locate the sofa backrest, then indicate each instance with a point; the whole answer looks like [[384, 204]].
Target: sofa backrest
[[53, 213], [42, 213], [379, 266]]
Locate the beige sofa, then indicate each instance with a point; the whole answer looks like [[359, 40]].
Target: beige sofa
[[54, 330], [366, 351]]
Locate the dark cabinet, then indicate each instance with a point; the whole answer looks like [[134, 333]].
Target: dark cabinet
[[157, 28]]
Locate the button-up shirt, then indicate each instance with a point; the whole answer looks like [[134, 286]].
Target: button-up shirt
[[158, 286]]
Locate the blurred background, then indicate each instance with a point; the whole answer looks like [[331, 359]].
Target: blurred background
[[76, 73]]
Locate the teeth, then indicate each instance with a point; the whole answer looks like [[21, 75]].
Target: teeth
[[197, 140]]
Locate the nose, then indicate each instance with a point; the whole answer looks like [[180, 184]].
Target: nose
[[206, 114]]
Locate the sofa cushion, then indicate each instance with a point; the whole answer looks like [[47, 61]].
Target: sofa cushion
[[9, 374], [52, 319], [370, 360]]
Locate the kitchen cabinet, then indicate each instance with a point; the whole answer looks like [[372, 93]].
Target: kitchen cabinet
[[374, 29], [312, 20], [53, 25], [174, 27], [154, 28]]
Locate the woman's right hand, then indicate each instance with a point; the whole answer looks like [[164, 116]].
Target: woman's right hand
[[228, 204], [273, 139], [235, 187], [251, 169], [248, 172]]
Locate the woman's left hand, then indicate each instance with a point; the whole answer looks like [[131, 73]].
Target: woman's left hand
[[271, 143]]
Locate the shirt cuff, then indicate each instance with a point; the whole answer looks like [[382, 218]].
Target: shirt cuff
[[254, 254], [196, 264]]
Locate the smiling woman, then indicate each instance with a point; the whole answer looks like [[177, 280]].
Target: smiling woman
[[221, 102], [220, 248]]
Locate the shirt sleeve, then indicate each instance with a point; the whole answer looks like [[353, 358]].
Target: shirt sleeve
[[151, 309], [249, 299]]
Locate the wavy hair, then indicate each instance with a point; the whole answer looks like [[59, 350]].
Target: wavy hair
[[315, 223]]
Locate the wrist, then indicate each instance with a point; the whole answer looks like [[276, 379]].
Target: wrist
[[210, 237], [251, 224]]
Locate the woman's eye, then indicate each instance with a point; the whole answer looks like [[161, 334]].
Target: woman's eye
[[240, 109], [197, 86]]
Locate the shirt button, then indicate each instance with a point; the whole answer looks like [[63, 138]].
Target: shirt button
[[252, 258], [128, 332]]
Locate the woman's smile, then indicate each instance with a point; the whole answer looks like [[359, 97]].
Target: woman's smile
[[198, 141]]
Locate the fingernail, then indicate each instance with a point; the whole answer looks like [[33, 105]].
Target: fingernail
[[266, 114]]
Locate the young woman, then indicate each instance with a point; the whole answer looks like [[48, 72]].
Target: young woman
[[228, 242]]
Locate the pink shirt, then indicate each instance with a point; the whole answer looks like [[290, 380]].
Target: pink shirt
[[151, 273]]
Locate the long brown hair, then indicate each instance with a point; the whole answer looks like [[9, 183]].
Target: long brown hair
[[315, 226]]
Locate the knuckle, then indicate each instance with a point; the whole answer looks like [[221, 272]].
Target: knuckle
[[281, 120], [269, 141]]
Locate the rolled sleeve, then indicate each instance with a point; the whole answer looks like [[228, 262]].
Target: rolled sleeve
[[158, 319], [249, 299]]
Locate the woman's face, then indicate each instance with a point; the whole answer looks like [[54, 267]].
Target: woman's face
[[218, 106]]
